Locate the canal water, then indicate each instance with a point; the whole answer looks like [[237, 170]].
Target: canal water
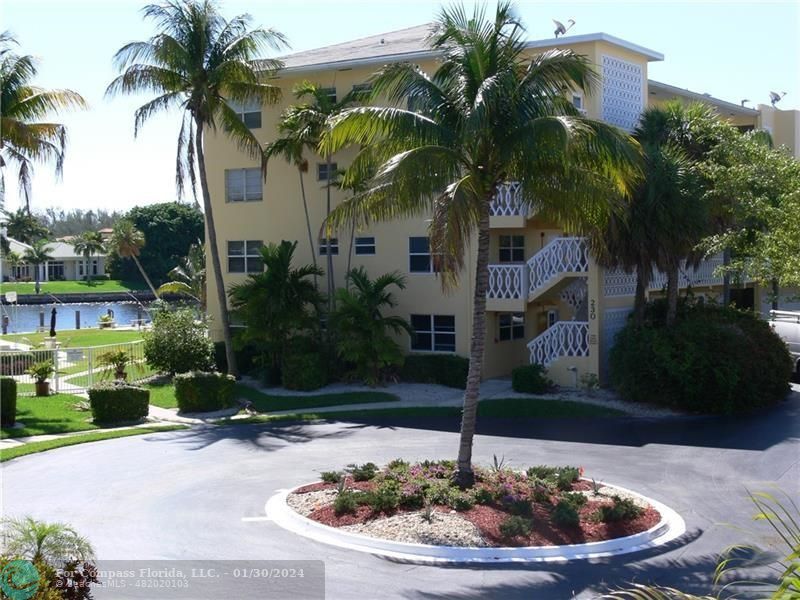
[[24, 318]]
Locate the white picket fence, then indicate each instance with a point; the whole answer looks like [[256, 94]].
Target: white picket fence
[[77, 369]]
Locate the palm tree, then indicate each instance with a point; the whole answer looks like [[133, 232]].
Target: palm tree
[[278, 303], [14, 260], [38, 541], [363, 330], [189, 277], [486, 116], [303, 126], [24, 138], [198, 61], [88, 243], [23, 226], [127, 242], [38, 254]]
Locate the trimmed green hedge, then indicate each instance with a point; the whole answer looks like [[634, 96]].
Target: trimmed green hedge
[[444, 369], [8, 401], [530, 379], [712, 360], [198, 391], [304, 365], [118, 402]]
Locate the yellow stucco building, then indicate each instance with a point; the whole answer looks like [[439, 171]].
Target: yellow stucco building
[[548, 301]]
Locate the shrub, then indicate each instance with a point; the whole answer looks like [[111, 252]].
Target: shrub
[[543, 472], [566, 477], [574, 499], [118, 402], [384, 498], [482, 495], [530, 379], [198, 391], [363, 472], [517, 506], [515, 526], [621, 509], [444, 369], [345, 502], [712, 360], [8, 401], [566, 514], [178, 343], [461, 501], [246, 357], [303, 367], [15, 363], [331, 476]]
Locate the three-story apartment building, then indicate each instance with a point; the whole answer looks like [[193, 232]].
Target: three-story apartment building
[[548, 301]]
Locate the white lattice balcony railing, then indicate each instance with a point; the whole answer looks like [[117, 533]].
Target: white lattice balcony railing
[[507, 201], [564, 338], [619, 283], [561, 255], [507, 282]]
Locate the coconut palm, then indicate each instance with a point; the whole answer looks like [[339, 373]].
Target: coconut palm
[[198, 61], [127, 242], [88, 243], [486, 116], [302, 126], [38, 254], [189, 277], [52, 543], [24, 227], [278, 303], [25, 138], [363, 330]]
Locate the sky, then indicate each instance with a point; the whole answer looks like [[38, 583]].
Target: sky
[[731, 50]]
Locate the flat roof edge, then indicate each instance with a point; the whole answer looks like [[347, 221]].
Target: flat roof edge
[[652, 55]]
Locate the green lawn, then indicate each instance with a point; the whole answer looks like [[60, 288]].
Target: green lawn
[[162, 394], [265, 402], [73, 287], [511, 408], [78, 338], [51, 414], [35, 447]]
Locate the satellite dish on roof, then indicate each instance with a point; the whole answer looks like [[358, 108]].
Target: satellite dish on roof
[[775, 97], [560, 29]]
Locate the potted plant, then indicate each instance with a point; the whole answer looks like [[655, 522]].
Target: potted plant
[[41, 372], [105, 321], [119, 359]]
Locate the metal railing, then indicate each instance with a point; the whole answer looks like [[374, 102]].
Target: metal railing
[[619, 283], [76, 369], [564, 338], [561, 255], [507, 201]]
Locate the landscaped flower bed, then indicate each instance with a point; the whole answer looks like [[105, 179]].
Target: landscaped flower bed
[[419, 503]]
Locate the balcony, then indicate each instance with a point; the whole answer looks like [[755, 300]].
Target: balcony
[[506, 210], [512, 286], [618, 283], [564, 338]]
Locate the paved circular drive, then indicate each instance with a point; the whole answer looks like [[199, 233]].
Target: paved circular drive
[[200, 494]]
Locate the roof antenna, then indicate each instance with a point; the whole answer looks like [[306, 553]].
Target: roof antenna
[[775, 97], [743, 101], [560, 29]]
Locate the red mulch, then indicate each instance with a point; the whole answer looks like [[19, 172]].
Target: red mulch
[[488, 518], [581, 485], [327, 516]]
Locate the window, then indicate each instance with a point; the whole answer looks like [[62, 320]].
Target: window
[[577, 101], [512, 248], [334, 244], [249, 113], [361, 91], [365, 246], [511, 326], [435, 333], [330, 92], [242, 185], [419, 255], [324, 173], [245, 257]]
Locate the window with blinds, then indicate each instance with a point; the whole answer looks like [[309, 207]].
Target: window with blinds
[[243, 185]]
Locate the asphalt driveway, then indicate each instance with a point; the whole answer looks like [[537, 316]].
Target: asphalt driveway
[[200, 494]]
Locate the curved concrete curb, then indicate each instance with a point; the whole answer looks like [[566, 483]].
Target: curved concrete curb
[[669, 528]]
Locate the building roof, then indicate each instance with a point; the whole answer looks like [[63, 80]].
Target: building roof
[[59, 250], [664, 91], [411, 44]]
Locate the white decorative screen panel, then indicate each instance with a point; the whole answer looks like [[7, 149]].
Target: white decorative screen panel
[[623, 99]]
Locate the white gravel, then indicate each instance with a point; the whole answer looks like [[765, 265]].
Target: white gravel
[[307, 503], [444, 529]]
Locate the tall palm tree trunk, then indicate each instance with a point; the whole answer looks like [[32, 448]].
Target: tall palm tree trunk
[[308, 224], [776, 290], [640, 299], [350, 254], [211, 231], [329, 256], [144, 274], [37, 286], [726, 277], [672, 294], [465, 476]]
